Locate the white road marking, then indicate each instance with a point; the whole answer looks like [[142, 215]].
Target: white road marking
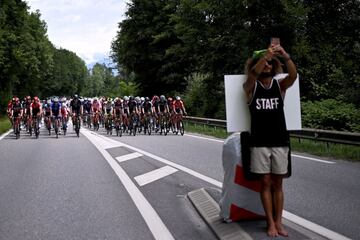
[[175, 165], [152, 219], [294, 155], [289, 216], [313, 159], [314, 227], [154, 175], [5, 134], [129, 156], [206, 138]]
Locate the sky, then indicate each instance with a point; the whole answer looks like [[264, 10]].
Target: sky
[[85, 27]]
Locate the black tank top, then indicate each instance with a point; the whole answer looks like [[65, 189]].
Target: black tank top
[[268, 126]]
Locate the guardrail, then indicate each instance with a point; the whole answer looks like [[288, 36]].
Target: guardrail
[[328, 136]]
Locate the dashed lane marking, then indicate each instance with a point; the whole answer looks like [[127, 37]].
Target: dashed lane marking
[[154, 175], [129, 156]]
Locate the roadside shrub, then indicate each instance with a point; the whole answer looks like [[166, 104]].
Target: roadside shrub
[[331, 114]]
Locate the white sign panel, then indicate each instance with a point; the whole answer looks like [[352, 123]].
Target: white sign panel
[[237, 110]]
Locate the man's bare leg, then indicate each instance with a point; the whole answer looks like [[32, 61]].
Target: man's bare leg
[[267, 201]]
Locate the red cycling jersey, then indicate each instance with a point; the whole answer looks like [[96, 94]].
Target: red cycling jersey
[[178, 104]]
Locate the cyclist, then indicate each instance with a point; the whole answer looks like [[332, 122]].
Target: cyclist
[[126, 112], [95, 106], [178, 106], [36, 110], [133, 110], [118, 111], [16, 109], [108, 105], [163, 108], [56, 111], [179, 110], [170, 102], [155, 104], [87, 108], [64, 112], [47, 114], [26, 114], [76, 108]]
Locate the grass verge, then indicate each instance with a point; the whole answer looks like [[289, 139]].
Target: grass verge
[[4, 124], [331, 150]]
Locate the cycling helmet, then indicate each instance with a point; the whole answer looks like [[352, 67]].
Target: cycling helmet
[[178, 98], [76, 96], [56, 99], [142, 99], [131, 98], [36, 98], [169, 99], [147, 99], [28, 98], [126, 98], [137, 99], [63, 99], [49, 101], [162, 97], [95, 99]]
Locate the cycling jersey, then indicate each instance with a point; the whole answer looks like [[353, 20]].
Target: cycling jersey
[[117, 107], [47, 110], [64, 110], [108, 108], [147, 106], [75, 105], [162, 105], [132, 105], [16, 108], [35, 108], [87, 106], [55, 108]]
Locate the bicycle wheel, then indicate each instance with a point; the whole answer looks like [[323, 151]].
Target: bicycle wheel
[[56, 128], [182, 129], [77, 127]]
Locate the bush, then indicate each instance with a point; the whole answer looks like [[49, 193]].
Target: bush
[[194, 95], [331, 114]]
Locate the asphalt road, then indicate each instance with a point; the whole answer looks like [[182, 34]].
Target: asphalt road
[[75, 188]]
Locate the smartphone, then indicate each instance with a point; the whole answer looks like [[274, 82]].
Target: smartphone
[[275, 41]]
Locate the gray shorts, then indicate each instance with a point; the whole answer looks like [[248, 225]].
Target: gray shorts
[[269, 160]]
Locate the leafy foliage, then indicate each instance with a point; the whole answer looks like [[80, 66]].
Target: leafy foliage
[[164, 42], [331, 114], [29, 63]]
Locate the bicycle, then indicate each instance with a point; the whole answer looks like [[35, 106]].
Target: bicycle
[[179, 124], [57, 125], [118, 126], [76, 122], [96, 119], [108, 124], [28, 123], [48, 124], [16, 126], [36, 126], [64, 121], [148, 122], [133, 124]]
